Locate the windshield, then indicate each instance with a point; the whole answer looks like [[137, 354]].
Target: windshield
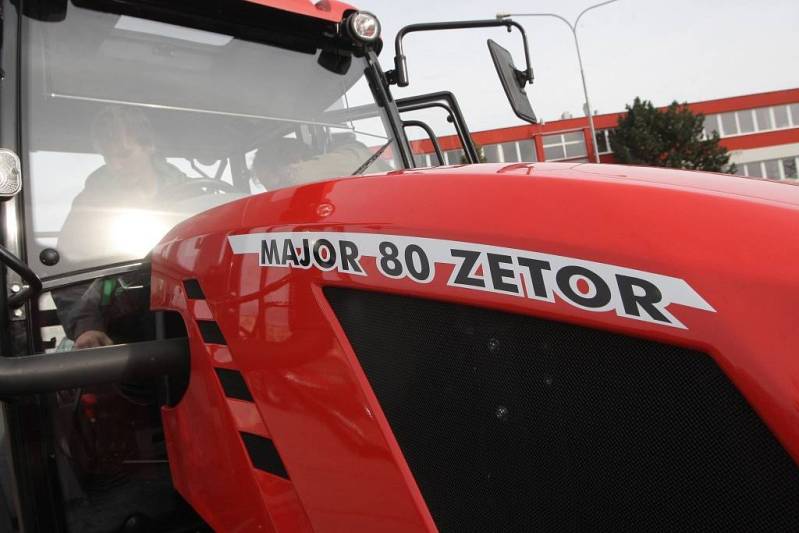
[[133, 125]]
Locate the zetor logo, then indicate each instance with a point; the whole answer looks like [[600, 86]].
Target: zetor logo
[[596, 287]]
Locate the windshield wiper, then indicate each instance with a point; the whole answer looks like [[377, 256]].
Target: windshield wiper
[[372, 159]]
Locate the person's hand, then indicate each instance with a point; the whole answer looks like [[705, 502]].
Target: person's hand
[[92, 339]]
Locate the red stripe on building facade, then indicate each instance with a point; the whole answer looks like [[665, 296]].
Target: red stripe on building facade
[[536, 132]]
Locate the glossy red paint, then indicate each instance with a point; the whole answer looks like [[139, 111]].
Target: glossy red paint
[[331, 10], [731, 239]]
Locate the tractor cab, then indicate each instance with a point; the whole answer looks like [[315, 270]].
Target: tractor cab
[[119, 120]]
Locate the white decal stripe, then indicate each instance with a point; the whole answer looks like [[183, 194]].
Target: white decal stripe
[[673, 290]]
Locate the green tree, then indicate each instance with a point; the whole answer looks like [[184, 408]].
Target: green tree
[[670, 138]]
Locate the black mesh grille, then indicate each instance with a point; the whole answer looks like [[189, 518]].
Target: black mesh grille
[[512, 423]]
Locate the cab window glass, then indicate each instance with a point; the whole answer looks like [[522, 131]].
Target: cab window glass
[[134, 125], [131, 127]]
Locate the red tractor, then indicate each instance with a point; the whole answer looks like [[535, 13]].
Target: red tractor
[[233, 302]]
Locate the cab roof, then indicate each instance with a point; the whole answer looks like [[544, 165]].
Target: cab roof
[[330, 10]]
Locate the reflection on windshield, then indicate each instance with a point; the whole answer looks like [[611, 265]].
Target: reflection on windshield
[[291, 162], [117, 197], [133, 127]]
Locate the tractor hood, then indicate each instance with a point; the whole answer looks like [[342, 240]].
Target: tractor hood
[[553, 327], [702, 182], [504, 181]]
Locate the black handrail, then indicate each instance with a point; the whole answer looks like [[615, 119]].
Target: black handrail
[[430, 133], [34, 284], [33, 374], [428, 100]]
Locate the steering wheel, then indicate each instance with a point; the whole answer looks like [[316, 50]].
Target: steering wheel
[[199, 186]]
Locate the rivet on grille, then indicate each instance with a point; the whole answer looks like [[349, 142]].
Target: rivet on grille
[[502, 413], [493, 344]]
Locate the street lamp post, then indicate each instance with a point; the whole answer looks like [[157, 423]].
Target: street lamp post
[[573, 28]]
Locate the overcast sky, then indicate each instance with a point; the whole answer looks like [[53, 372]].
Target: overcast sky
[[659, 50]]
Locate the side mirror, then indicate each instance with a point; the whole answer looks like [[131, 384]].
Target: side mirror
[[513, 81]]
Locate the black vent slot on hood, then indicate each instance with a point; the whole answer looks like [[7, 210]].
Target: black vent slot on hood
[[514, 423]]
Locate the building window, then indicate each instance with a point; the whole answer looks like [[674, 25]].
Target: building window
[[772, 169], [763, 115], [751, 120], [781, 117], [527, 151], [554, 151], [746, 121], [711, 125], [454, 157], [789, 168], [427, 160], [729, 125], [509, 152], [603, 141], [491, 152], [564, 146], [785, 168], [575, 144], [753, 170]]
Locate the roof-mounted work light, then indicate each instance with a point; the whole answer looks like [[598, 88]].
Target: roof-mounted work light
[[363, 26], [10, 176]]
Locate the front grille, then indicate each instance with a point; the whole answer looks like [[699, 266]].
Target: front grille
[[514, 423]]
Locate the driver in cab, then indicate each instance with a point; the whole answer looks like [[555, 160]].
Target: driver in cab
[[133, 177]]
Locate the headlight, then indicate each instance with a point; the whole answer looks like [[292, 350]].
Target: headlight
[[363, 26], [10, 178]]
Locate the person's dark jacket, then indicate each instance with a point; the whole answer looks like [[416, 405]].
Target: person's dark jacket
[[107, 304]]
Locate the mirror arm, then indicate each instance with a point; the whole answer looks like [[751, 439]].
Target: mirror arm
[[399, 76], [527, 75], [34, 284]]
